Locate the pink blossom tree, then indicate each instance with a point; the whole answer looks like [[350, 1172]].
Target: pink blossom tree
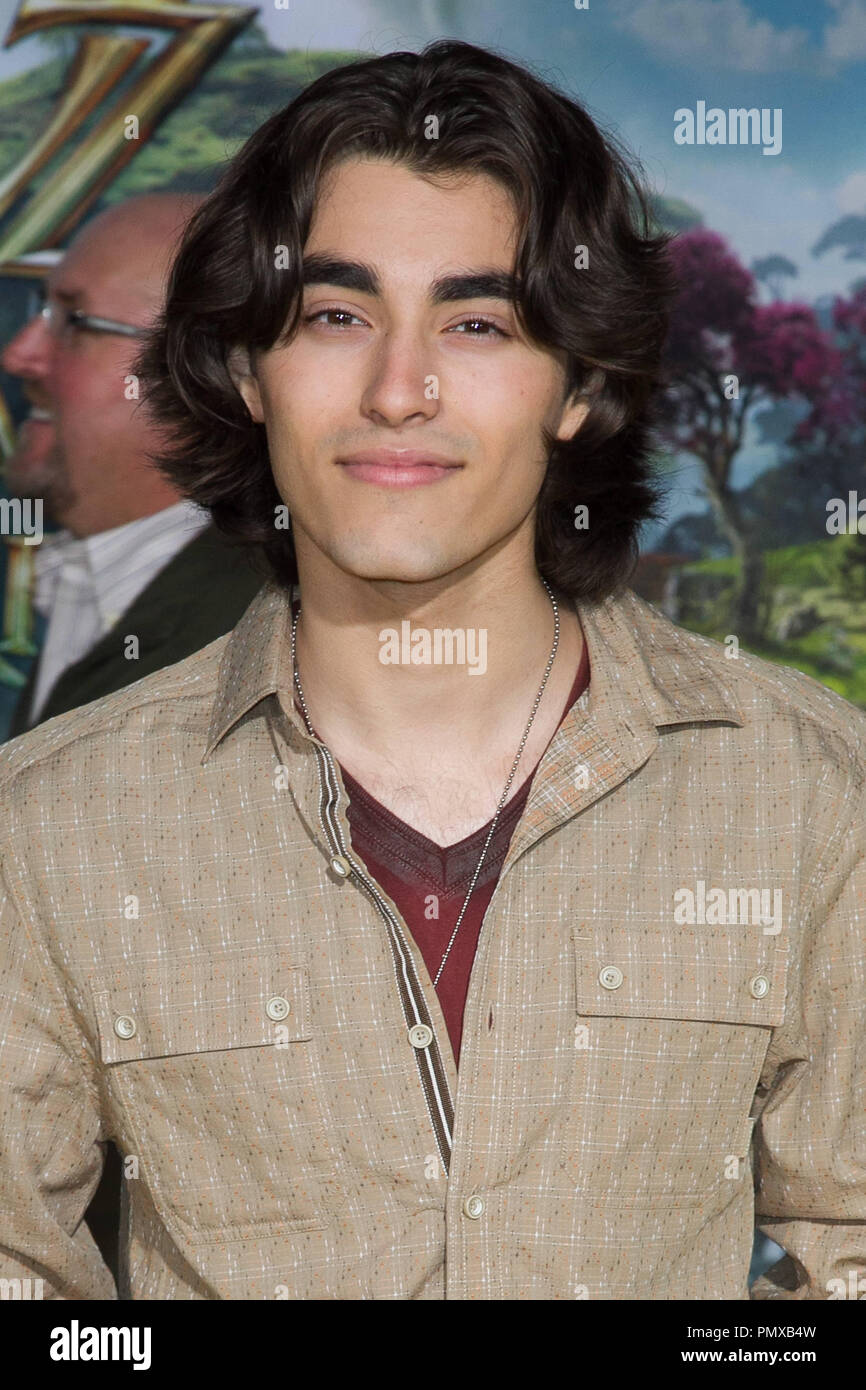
[[727, 353]]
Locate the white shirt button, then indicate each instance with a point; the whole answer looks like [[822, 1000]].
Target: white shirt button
[[341, 866], [277, 1008], [610, 977], [124, 1026], [420, 1035], [473, 1206], [759, 985]]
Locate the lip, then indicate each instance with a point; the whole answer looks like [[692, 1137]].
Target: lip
[[398, 467]]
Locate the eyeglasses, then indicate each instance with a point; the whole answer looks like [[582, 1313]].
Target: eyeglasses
[[65, 323]]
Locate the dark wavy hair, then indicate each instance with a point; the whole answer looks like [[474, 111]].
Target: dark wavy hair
[[571, 187]]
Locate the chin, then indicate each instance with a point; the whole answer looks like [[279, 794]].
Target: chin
[[395, 566]]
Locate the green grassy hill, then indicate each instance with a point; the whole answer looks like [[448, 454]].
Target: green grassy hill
[[816, 610]]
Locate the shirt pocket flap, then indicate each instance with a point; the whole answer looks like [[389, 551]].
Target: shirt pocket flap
[[726, 977], [203, 1002]]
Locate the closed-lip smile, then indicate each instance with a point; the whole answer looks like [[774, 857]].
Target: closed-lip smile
[[399, 467]]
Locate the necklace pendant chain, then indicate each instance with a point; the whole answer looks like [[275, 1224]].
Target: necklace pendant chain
[[502, 799]]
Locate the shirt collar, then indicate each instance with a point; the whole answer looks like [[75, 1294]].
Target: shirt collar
[[645, 665], [97, 550], [177, 520], [52, 551], [256, 663], [645, 671]]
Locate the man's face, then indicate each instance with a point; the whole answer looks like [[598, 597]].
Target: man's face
[[75, 381], [383, 366]]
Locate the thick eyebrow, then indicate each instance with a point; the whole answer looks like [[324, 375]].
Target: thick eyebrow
[[485, 282]]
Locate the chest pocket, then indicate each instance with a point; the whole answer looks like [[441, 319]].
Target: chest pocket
[[212, 1061], [671, 1033]]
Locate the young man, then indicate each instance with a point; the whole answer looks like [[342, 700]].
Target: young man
[[244, 898]]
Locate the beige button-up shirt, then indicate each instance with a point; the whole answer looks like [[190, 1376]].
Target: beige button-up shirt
[[664, 1030]]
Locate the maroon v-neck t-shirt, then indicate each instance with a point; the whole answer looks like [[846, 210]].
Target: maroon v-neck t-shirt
[[428, 882]]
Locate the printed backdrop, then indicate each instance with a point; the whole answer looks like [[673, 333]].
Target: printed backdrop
[[747, 118]]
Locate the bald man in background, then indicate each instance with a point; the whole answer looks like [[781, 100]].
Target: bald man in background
[[130, 548], [132, 558]]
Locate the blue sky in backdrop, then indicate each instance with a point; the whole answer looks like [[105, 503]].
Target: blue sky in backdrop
[[633, 63]]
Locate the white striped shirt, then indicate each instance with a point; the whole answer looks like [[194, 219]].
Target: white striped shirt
[[83, 585]]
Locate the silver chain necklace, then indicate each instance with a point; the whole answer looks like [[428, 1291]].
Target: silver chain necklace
[[504, 795]]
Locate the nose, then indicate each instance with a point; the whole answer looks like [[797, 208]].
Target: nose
[[402, 385], [28, 354]]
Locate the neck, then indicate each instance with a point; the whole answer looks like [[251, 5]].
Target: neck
[[356, 640]]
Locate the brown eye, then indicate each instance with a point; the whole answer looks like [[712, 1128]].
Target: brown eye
[[482, 323], [337, 313]]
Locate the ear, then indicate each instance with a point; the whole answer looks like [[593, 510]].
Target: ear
[[574, 413], [242, 374]]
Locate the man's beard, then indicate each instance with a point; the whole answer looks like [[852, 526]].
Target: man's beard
[[29, 473]]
